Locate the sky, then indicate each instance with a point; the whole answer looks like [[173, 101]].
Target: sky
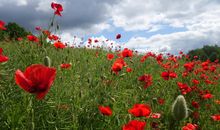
[[145, 25]]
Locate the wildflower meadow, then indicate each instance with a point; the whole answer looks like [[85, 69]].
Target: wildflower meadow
[[47, 85]]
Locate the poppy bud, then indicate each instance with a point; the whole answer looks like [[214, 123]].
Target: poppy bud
[[154, 100], [47, 61], [179, 108]]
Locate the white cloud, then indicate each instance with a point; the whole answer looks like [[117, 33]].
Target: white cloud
[[143, 15], [200, 18], [93, 29], [174, 42], [17, 2]]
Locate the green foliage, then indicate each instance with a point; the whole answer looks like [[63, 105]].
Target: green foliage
[[15, 31], [207, 52], [3, 35]]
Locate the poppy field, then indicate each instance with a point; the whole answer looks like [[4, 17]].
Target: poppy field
[[47, 85]]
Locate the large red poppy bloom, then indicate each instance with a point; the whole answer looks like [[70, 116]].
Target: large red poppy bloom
[[36, 79], [2, 57], [57, 7]]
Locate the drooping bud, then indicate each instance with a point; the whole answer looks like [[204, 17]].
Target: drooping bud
[[47, 61], [179, 108]]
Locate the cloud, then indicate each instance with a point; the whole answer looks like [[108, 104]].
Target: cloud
[[144, 15], [174, 42], [200, 20], [78, 15]]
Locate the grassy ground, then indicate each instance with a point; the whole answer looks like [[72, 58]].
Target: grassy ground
[[73, 100]]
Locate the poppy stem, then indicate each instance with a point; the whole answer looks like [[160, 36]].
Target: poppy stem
[[32, 113]]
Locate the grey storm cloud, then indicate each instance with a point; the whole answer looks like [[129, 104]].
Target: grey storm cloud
[[77, 13]]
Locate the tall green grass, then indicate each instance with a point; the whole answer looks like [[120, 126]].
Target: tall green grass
[[73, 100]]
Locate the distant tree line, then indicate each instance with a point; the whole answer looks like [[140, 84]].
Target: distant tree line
[[207, 52], [13, 32]]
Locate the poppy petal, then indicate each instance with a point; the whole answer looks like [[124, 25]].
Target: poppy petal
[[3, 58], [22, 81]]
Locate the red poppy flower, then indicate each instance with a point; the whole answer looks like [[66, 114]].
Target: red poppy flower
[[195, 115], [216, 117], [96, 41], [190, 126], [89, 41], [110, 56], [212, 68], [118, 65], [128, 70], [46, 32], [36, 79], [154, 125], [168, 75], [160, 101], [2, 25], [53, 37], [184, 88], [155, 115], [147, 79], [159, 58], [32, 38], [19, 39], [207, 96], [65, 66], [195, 104], [139, 110], [134, 125], [196, 82], [127, 53], [59, 44], [38, 28], [57, 7], [105, 110], [118, 36], [195, 57], [189, 66], [180, 52], [2, 57]]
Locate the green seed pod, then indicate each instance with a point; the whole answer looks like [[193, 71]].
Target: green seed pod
[[179, 108], [47, 61]]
